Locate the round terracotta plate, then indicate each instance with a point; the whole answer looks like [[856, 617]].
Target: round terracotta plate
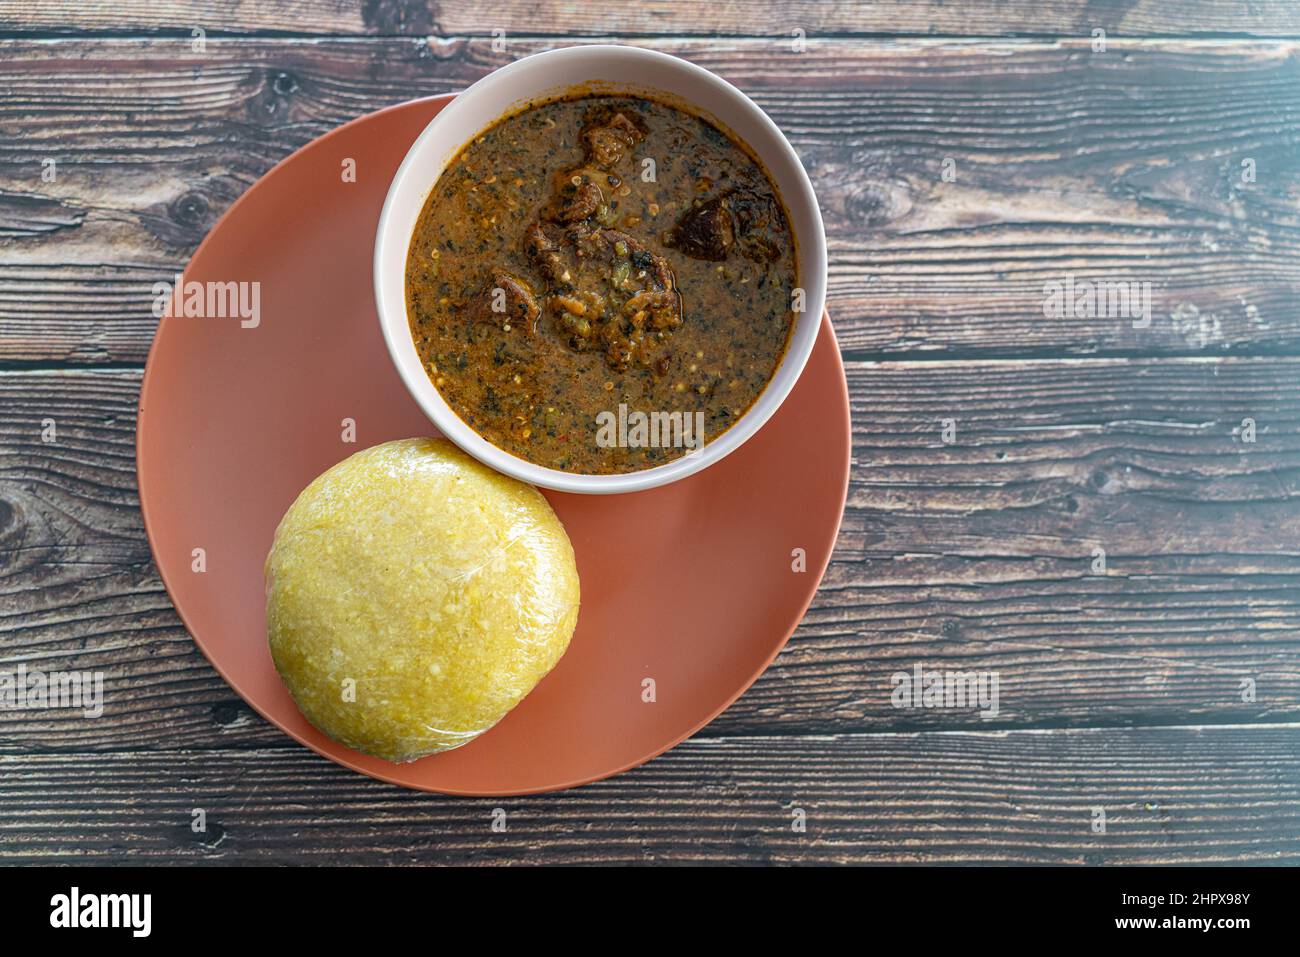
[[691, 585]]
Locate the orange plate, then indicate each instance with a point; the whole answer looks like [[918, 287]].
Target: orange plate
[[690, 584]]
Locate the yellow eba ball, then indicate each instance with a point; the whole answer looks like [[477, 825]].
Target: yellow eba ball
[[415, 596]]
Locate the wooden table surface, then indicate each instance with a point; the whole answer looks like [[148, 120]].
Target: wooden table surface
[[966, 156]]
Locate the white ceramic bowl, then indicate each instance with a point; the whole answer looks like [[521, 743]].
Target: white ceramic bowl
[[613, 69]]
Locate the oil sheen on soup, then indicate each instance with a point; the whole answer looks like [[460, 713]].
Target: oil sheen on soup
[[599, 284]]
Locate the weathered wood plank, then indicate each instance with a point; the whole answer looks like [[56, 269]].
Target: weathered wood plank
[[976, 555], [1170, 795], [658, 17], [1123, 165]]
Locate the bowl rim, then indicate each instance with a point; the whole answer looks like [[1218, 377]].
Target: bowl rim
[[802, 338]]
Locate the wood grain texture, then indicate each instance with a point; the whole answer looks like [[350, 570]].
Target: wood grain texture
[[976, 555], [1170, 795], [1125, 165], [1121, 691], [657, 18]]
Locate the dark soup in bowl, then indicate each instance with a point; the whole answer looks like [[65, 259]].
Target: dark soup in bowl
[[600, 284]]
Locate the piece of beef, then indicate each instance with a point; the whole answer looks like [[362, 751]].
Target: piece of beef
[[607, 142], [738, 219], [507, 300], [543, 244], [760, 224], [615, 249], [705, 231], [572, 204], [608, 291]]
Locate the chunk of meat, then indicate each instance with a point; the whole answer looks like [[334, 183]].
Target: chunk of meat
[[508, 300], [704, 231], [572, 203], [543, 247], [606, 289], [760, 225], [613, 246], [608, 292], [607, 142], [643, 305], [737, 219]]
